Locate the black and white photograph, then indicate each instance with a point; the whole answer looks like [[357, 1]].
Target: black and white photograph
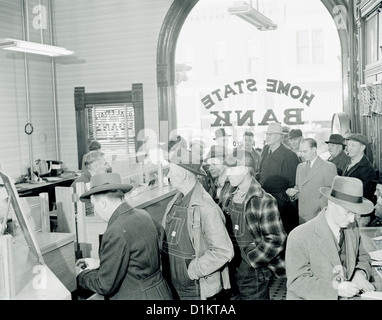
[[192, 158]]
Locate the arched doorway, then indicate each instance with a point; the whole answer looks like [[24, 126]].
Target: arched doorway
[[340, 11]]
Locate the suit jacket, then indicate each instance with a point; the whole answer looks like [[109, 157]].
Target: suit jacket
[[364, 171], [278, 172], [312, 259], [129, 259], [310, 199], [341, 161]]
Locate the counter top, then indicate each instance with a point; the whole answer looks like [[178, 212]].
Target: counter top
[[143, 198], [147, 195], [48, 241], [26, 186]]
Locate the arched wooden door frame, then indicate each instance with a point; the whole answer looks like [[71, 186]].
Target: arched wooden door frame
[[169, 34]]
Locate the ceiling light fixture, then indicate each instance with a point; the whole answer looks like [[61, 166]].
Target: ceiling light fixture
[[246, 12], [33, 47]]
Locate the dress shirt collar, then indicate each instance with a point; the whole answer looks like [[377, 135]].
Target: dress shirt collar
[[312, 161]]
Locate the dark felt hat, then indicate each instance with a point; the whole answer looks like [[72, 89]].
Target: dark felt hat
[[336, 138], [105, 182], [221, 133], [294, 133], [359, 138]]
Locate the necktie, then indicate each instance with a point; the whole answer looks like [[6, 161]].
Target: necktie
[[307, 167], [341, 240]]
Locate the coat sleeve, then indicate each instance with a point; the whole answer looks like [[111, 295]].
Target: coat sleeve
[[330, 173], [271, 241], [218, 245], [301, 281], [114, 259], [290, 168], [363, 258]]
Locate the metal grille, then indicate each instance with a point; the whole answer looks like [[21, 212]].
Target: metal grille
[[114, 127]]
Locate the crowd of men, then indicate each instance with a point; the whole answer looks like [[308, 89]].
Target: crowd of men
[[240, 217]]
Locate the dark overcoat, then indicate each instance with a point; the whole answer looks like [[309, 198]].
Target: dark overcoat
[[129, 259]]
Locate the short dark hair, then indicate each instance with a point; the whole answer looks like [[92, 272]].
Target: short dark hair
[[312, 142], [248, 133]]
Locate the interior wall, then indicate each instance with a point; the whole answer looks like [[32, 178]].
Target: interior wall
[[16, 92], [115, 45]]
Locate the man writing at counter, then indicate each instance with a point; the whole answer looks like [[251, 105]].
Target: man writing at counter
[[196, 244], [324, 257], [129, 256]]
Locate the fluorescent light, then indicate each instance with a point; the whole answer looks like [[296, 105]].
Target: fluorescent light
[[251, 15], [33, 47]]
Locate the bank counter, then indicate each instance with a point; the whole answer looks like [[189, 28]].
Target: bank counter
[[372, 241], [153, 199], [48, 272]]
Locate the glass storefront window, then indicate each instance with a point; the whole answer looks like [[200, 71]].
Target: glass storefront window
[[244, 78]]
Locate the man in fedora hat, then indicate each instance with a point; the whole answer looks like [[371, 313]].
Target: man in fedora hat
[[256, 230], [324, 256], [336, 148], [277, 173], [221, 142], [129, 266], [360, 167], [195, 243]]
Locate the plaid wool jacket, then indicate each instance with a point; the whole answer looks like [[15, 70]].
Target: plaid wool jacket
[[265, 225]]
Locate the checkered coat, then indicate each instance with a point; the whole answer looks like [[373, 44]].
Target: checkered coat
[[265, 225]]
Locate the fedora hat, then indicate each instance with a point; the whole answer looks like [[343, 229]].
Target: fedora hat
[[188, 160], [336, 138], [359, 138], [105, 182], [294, 133], [275, 127], [221, 133], [348, 193]]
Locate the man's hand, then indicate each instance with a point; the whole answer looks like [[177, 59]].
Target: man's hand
[[86, 264], [348, 289], [360, 280]]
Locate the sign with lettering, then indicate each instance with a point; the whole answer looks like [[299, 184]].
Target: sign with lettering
[[292, 116]]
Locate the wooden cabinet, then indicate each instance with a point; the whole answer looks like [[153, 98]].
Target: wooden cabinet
[[57, 250]]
